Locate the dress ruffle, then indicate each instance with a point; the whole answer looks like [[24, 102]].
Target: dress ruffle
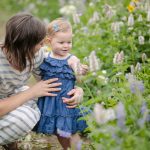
[[58, 68], [64, 126]]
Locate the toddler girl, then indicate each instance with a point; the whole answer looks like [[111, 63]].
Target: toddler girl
[[56, 118]]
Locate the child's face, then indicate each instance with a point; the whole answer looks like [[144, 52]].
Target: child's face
[[61, 43]]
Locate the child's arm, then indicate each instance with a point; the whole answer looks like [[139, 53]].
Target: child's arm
[[77, 67]]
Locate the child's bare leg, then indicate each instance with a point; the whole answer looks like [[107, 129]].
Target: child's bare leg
[[65, 142]]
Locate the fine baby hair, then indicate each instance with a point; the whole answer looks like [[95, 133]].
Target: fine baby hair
[[59, 25]]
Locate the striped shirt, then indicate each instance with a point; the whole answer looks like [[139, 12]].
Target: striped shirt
[[20, 121]]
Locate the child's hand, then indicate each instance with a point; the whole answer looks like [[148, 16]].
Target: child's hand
[[84, 69]]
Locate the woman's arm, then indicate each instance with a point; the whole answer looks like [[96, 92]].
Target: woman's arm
[[42, 88]]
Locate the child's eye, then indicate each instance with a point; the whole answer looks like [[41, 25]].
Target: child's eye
[[60, 42], [69, 42]]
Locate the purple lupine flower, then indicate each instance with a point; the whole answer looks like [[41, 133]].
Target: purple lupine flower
[[118, 58], [135, 85], [120, 114], [130, 20], [143, 108], [79, 145]]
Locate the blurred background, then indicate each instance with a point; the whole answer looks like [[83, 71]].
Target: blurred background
[[46, 10], [113, 38]]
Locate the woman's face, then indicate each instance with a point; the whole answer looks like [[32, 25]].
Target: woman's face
[[39, 45]]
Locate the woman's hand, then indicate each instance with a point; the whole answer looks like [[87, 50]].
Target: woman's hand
[[77, 95], [45, 88]]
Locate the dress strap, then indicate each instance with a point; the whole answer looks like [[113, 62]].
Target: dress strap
[[69, 56]]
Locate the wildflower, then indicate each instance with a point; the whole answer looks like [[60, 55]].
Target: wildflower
[[131, 8], [144, 111], [118, 58], [143, 108], [115, 27], [76, 18], [103, 115], [68, 10], [148, 15], [141, 40], [108, 11], [144, 57], [130, 20], [120, 115], [103, 78], [94, 62], [94, 18], [104, 71], [132, 69], [140, 18], [138, 67], [147, 5], [135, 85], [124, 18], [79, 145]]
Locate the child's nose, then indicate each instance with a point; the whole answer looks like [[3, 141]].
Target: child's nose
[[66, 44]]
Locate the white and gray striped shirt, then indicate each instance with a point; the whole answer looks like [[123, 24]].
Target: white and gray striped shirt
[[20, 121]]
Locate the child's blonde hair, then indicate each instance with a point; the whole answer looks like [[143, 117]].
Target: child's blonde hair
[[58, 25]]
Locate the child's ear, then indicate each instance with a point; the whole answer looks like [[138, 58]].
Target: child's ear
[[48, 40]]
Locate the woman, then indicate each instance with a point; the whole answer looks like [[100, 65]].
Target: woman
[[21, 54]]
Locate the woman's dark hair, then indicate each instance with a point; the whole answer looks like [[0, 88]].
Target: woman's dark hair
[[23, 33]]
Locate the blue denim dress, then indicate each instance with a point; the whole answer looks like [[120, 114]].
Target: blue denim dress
[[55, 116]]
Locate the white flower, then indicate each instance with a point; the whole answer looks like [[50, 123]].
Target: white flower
[[141, 39], [144, 57], [130, 20], [103, 115], [91, 4], [95, 16], [108, 11], [104, 71], [118, 58], [138, 67], [140, 18], [94, 62], [132, 69], [68, 10], [76, 18], [115, 26], [148, 15]]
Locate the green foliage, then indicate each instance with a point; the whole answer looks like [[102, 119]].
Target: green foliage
[[114, 89], [41, 8]]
